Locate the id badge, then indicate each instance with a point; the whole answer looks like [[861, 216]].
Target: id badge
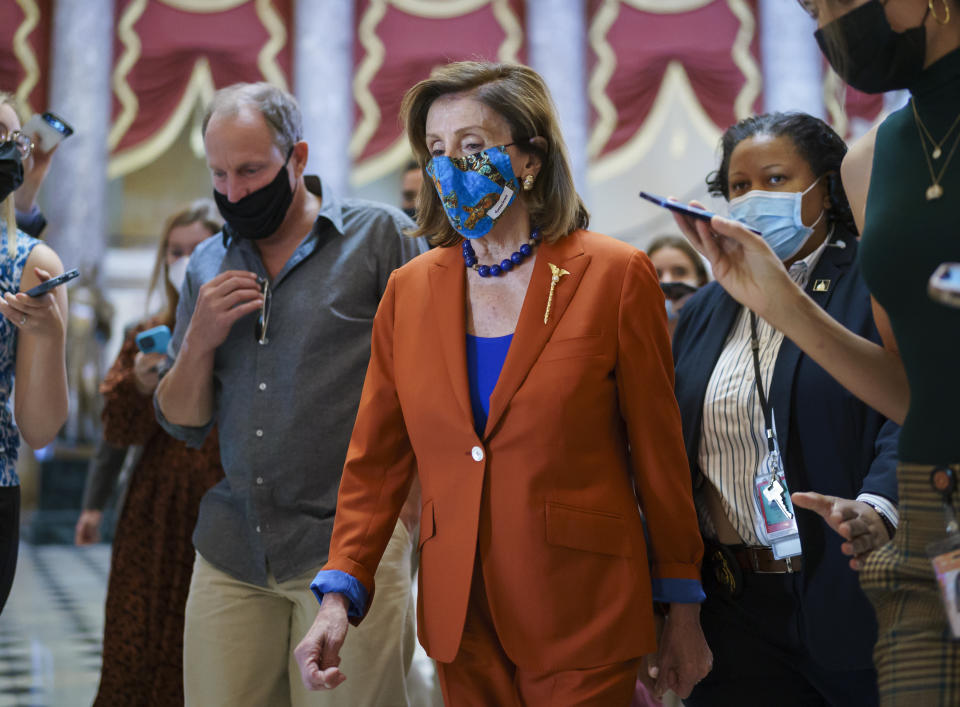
[[945, 557], [776, 508]]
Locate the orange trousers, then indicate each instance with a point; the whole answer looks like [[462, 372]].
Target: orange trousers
[[483, 675]]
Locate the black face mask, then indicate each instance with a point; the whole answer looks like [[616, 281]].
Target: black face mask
[[410, 211], [871, 56], [260, 213], [11, 169]]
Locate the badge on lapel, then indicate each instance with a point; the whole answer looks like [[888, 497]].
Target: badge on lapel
[[557, 272]]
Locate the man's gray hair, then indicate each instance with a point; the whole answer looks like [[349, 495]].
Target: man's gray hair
[[278, 108]]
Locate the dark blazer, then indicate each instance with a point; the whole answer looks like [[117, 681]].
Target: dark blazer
[[831, 442]]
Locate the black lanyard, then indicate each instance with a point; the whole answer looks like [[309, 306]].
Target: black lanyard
[[764, 405]]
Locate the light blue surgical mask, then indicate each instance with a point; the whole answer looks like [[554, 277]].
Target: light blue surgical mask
[[777, 215], [475, 190]]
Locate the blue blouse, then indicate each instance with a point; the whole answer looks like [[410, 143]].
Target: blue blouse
[[11, 270], [485, 357]]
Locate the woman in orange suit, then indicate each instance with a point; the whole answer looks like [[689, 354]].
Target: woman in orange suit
[[522, 369]]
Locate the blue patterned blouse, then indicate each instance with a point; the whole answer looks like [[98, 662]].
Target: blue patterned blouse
[[10, 273]]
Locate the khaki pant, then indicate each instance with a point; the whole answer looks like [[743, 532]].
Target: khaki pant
[[239, 639]]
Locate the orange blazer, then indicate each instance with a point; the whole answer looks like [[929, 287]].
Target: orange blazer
[[583, 433]]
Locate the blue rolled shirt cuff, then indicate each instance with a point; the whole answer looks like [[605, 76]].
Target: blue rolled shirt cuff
[[677, 591], [341, 583]]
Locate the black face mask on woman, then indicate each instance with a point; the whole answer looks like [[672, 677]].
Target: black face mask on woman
[[868, 54], [260, 213], [11, 168]]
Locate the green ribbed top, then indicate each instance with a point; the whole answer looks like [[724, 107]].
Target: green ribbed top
[[905, 238]]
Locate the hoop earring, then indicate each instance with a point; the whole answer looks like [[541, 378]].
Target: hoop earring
[[528, 180], [946, 12]]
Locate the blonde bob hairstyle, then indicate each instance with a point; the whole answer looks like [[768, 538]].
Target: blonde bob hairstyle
[[520, 96]]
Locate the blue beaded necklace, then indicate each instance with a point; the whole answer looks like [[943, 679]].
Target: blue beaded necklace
[[506, 265]]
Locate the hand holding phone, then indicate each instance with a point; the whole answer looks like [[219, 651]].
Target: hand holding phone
[[154, 340], [684, 209], [944, 285], [47, 129], [48, 285]]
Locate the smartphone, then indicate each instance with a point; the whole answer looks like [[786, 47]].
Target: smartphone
[[676, 290], [692, 211], [47, 129], [46, 286], [154, 340], [944, 285]]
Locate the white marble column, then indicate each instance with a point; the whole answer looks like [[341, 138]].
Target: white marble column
[[322, 80], [557, 44], [75, 191], [792, 62]]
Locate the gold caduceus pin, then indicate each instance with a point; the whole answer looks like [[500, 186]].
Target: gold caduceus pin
[[557, 274]]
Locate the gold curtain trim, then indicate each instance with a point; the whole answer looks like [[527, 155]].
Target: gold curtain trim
[[202, 6], [442, 9], [508, 51], [200, 89], [24, 52], [744, 60], [600, 77], [375, 53], [129, 105], [674, 87], [666, 7], [267, 57]]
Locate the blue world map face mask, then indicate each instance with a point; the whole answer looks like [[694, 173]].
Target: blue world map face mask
[[475, 190]]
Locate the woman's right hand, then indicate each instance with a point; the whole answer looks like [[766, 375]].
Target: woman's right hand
[[146, 374], [88, 528], [742, 263]]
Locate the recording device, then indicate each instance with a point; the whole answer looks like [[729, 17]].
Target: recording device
[[691, 211], [154, 340], [48, 285], [676, 290], [47, 129], [944, 285]]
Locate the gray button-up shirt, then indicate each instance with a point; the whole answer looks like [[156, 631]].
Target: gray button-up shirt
[[285, 409]]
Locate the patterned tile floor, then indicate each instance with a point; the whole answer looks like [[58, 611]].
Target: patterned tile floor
[[51, 627]]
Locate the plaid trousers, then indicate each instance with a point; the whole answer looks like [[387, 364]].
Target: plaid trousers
[[918, 662]]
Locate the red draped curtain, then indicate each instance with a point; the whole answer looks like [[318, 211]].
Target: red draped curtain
[[398, 43], [632, 44], [170, 56], [25, 27]]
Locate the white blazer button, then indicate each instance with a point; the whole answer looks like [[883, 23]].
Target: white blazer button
[[477, 454]]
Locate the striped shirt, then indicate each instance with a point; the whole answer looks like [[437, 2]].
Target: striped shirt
[[733, 443]]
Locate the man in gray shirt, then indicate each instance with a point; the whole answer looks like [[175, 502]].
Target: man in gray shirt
[[271, 344]]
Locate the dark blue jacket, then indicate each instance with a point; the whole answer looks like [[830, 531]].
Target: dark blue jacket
[[831, 443]]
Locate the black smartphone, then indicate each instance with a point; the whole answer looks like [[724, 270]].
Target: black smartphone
[[47, 129], [676, 290], [691, 211], [48, 285]]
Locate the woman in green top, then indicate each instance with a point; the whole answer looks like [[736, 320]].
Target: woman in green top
[[903, 182]]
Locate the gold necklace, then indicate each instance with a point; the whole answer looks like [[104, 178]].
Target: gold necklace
[[937, 152], [934, 191]]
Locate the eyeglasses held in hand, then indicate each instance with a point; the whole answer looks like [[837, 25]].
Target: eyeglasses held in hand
[[260, 330]]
